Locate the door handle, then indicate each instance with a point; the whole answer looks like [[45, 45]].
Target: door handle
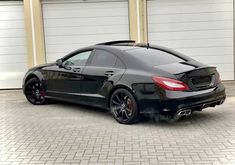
[[109, 73], [76, 69], [76, 78]]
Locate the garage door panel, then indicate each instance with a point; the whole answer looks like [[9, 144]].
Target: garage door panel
[[12, 41], [86, 31], [225, 60], [84, 22], [17, 15], [84, 12], [63, 5], [12, 33], [224, 67], [204, 34], [90, 30], [9, 8], [196, 8], [4, 59], [192, 26], [83, 39], [62, 49], [202, 30], [11, 83], [207, 51], [12, 24], [183, 2], [69, 26], [12, 67], [192, 17], [226, 75], [13, 62], [19, 50], [196, 43]]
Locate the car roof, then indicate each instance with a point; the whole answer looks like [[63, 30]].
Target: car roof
[[140, 46], [131, 46], [122, 47]]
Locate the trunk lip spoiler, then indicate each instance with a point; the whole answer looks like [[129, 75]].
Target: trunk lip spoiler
[[198, 68]]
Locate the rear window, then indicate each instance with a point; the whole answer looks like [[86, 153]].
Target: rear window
[[155, 57]]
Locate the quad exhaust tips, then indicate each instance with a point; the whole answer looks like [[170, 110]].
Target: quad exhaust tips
[[181, 113]]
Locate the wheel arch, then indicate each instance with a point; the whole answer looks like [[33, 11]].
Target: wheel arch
[[35, 74], [119, 86], [30, 76]]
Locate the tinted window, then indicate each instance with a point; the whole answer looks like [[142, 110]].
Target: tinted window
[[103, 58], [79, 59], [155, 57]]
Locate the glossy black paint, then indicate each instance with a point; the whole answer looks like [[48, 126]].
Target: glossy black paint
[[93, 85]]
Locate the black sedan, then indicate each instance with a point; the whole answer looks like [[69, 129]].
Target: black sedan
[[129, 79]]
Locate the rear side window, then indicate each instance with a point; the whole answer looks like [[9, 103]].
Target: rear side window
[[153, 57], [103, 59]]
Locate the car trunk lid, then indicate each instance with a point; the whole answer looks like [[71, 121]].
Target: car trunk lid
[[196, 75]]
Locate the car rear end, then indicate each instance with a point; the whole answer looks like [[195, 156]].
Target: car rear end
[[190, 91], [181, 85]]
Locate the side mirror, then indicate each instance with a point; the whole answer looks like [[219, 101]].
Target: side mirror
[[59, 62]]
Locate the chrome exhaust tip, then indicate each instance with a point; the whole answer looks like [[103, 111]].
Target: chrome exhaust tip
[[188, 112], [181, 113]]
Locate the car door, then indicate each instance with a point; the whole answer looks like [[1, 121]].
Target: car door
[[103, 68], [64, 81]]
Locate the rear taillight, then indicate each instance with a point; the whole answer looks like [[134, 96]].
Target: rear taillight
[[170, 84]]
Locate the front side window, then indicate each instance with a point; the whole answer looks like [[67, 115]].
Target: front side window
[[79, 59], [103, 58]]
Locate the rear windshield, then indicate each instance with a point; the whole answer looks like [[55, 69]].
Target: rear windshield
[[154, 57]]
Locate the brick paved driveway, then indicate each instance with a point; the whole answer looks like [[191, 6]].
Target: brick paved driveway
[[72, 134]]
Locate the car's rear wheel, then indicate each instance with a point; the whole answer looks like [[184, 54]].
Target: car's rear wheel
[[124, 107], [35, 92]]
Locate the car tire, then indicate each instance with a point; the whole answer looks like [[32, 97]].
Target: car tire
[[124, 107], [35, 92]]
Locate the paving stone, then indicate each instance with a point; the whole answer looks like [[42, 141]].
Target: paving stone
[[63, 133]]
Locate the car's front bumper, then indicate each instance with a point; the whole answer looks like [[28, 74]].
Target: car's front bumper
[[170, 102]]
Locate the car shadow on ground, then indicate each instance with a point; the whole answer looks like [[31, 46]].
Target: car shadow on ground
[[196, 118]]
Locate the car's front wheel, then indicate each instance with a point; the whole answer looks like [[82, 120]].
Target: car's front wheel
[[35, 92], [124, 107]]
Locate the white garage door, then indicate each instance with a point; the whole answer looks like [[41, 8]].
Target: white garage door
[[13, 62], [201, 29], [70, 25]]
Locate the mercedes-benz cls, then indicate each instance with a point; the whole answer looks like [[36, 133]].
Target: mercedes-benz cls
[[128, 79]]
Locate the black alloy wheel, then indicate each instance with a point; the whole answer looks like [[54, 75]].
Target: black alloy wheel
[[35, 92], [124, 107]]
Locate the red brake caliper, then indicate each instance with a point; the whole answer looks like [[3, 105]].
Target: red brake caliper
[[42, 93], [130, 106]]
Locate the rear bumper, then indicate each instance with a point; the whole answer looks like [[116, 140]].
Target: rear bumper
[[169, 102]]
